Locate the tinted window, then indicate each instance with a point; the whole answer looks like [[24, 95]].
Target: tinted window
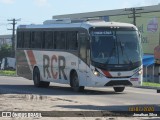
[[72, 43], [59, 39], [48, 40], [32, 45], [83, 47], [19, 39], [27, 36], [38, 39]]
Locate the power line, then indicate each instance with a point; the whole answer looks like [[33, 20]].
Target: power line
[[13, 32], [134, 14]]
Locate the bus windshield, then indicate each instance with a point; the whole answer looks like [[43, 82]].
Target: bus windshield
[[115, 46]]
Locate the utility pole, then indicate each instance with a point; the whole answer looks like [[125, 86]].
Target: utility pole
[[134, 14], [13, 33]]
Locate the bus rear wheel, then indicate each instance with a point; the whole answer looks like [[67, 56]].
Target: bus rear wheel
[[75, 83], [36, 79], [118, 89]]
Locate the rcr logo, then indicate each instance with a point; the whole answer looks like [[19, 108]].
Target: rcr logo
[[50, 62]]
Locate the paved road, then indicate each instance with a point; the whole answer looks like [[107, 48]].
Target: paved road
[[90, 99]]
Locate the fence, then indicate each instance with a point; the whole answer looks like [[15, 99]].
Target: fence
[[150, 70]]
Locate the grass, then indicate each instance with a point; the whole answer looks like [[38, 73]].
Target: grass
[[7, 73], [151, 84]]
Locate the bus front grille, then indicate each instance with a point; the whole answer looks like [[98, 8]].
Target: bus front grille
[[119, 82]]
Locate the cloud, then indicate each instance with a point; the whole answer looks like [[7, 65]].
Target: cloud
[[147, 2], [7, 1], [150, 2], [138, 3], [41, 3]]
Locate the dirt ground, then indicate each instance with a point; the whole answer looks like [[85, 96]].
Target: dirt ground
[[19, 95], [26, 102]]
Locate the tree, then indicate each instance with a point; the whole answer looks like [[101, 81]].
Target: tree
[[5, 51]]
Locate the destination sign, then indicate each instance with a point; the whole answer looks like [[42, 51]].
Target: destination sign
[[101, 33]]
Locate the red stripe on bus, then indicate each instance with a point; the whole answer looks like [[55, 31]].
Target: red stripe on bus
[[107, 73], [31, 58]]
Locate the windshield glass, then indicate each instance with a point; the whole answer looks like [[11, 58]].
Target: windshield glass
[[128, 47], [115, 46]]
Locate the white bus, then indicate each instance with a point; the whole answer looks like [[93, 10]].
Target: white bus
[[89, 53]]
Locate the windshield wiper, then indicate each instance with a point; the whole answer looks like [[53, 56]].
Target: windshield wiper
[[123, 51]]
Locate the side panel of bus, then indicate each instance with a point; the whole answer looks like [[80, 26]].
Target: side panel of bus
[[23, 68], [55, 65]]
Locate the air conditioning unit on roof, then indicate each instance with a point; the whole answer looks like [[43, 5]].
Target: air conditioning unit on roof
[[57, 21]]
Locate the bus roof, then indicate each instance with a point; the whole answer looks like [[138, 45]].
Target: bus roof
[[85, 25]]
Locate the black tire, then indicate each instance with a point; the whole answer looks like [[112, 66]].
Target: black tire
[[75, 83], [36, 79], [118, 89]]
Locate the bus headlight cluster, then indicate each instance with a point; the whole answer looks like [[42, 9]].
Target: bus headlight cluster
[[140, 72], [97, 73]]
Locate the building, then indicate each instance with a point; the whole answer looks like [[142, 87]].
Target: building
[[147, 20], [5, 39]]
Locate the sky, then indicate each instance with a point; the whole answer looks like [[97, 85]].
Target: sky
[[37, 11]]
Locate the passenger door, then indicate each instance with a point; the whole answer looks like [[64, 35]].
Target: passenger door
[[83, 57]]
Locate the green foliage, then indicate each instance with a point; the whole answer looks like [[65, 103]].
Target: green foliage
[[7, 73], [151, 84], [5, 51]]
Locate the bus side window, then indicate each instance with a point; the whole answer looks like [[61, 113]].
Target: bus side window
[[27, 36], [38, 39], [60, 40], [48, 40], [72, 41], [83, 47], [20, 40], [32, 41]]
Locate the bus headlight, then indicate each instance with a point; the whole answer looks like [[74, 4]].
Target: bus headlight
[[140, 72], [97, 73]]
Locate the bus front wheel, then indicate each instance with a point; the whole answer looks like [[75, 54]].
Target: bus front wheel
[[36, 79], [118, 89], [75, 83]]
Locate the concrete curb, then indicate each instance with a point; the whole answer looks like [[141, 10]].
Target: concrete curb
[[149, 87], [9, 75]]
